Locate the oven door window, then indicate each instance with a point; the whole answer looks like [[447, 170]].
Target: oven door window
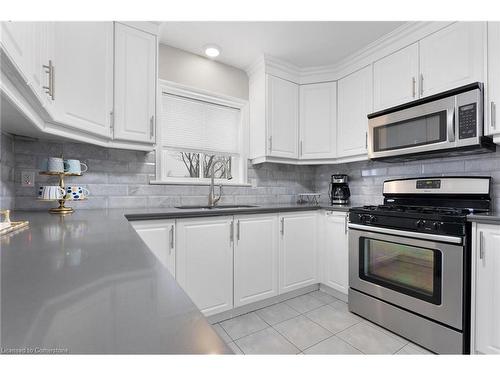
[[414, 271], [417, 131]]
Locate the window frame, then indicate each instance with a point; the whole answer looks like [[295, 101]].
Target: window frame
[[173, 88]]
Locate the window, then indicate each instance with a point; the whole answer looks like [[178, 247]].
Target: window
[[200, 134]]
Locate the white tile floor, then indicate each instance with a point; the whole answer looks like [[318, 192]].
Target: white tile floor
[[314, 323]]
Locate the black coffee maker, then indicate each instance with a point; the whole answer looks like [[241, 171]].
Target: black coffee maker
[[339, 189]]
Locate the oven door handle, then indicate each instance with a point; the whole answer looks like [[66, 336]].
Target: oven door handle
[[403, 233]]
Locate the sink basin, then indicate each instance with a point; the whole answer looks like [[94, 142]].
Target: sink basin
[[216, 207]]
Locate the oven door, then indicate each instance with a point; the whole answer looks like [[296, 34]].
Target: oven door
[[423, 276], [423, 128]]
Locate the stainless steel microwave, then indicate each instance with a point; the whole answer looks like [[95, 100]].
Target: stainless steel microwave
[[450, 123]]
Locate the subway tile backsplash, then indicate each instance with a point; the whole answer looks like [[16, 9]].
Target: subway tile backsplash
[[366, 177], [120, 178]]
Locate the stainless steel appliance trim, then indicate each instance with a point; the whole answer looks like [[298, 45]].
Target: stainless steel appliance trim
[[449, 311], [404, 233], [430, 335], [458, 185]]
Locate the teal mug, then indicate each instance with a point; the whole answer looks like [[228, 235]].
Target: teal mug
[[75, 166]]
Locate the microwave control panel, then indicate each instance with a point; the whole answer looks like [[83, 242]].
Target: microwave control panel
[[467, 121]]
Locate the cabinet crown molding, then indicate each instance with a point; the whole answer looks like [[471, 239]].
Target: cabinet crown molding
[[401, 37]]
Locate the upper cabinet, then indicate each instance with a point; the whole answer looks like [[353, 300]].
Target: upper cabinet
[[395, 78], [354, 104], [135, 84], [452, 57], [282, 117], [83, 76], [492, 126], [318, 121]]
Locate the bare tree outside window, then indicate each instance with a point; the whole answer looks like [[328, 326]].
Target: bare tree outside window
[[193, 160]]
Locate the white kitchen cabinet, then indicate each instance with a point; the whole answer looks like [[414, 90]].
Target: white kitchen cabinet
[[452, 57], [282, 117], [255, 258], [17, 41], [354, 104], [492, 127], [336, 251], [298, 250], [486, 288], [204, 262], [83, 69], [135, 84], [395, 78], [318, 121], [159, 236]]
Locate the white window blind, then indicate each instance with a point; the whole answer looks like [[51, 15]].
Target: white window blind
[[197, 125]]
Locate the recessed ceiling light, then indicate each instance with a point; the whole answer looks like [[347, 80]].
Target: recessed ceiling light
[[212, 51]]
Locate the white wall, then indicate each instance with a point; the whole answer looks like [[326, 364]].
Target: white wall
[[189, 69]]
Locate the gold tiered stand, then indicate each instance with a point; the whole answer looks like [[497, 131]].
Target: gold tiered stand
[[62, 209]]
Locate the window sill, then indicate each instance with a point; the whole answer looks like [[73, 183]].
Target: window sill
[[198, 183]]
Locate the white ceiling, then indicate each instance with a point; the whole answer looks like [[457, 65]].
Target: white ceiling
[[304, 44]]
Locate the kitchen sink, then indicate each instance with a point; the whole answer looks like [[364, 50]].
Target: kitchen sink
[[216, 207]]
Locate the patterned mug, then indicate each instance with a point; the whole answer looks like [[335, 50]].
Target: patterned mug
[[76, 193], [51, 192]]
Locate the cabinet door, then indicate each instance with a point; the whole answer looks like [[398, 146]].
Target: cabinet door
[[318, 121], [355, 103], [452, 57], [204, 264], [493, 124], [336, 252], [17, 42], [83, 90], [159, 236], [135, 84], [487, 335], [298, 251], [395, 78], [282, 117], [255, 258]]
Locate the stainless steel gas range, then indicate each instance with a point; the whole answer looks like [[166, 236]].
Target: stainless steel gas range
[[409, 259]]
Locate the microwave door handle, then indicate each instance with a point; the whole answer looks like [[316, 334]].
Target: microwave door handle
[[450, 123]]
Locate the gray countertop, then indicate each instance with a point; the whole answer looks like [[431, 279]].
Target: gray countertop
[[86, 283], [489, 218]]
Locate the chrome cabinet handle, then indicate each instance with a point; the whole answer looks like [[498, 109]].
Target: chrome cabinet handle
[[282, 226], [413, 87], [345, 224], [421, 84], [493, 115], [231, 232], [300, 150], [366, 140], [49, 90], [171, 234], [270, 144], [238, 230], [111, 120], [481, 245], [151, 126]]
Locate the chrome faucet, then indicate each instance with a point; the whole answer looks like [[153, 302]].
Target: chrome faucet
[[212, 200]]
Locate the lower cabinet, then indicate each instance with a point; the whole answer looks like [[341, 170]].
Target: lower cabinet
[[486, 289], [230, 261], [159, 236], [336, 251], [255, 258], [298, 249], [204, 262]]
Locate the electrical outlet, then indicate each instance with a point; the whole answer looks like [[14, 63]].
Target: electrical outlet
[[27, 178]]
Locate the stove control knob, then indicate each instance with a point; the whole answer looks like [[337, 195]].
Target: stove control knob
[[372, 219], [436, 225], [420, 223]]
